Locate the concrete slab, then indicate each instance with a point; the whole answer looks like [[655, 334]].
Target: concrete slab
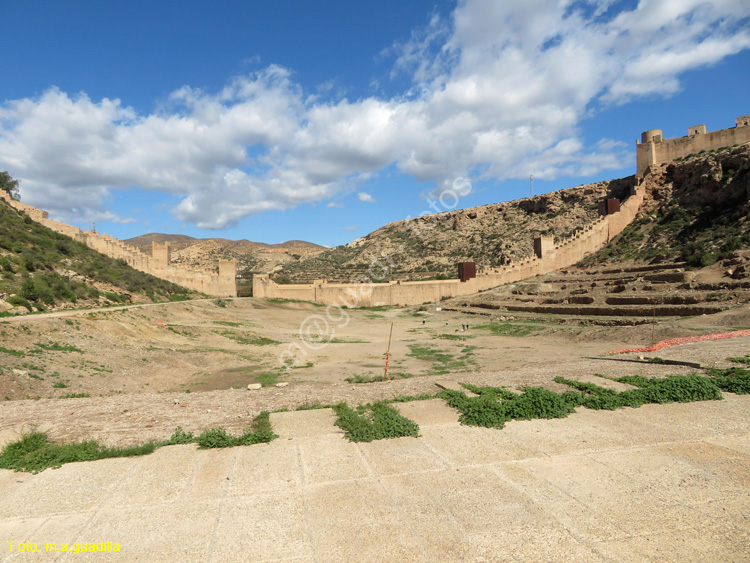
[[178, 531], [51, 535], [466, 445], [10, 479], [428, 413], [669, 474], [262, 527], [723, 462], [400, 455], [704, 419], [630, 430], [75, 487], [439, 534], [706, 545], [571, 435], [356, 522], [739, 443], [266, 467], [597, 486], [212, 474], [331, 458], [301, 424], [161, 477], [623, 504]]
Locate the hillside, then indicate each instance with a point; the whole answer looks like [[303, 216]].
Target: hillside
[[697, 210], [42, 270], [252, 257], [490, 235]]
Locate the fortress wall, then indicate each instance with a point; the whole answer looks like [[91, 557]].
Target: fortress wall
[[222, 284], [566, 253], [653, 149]]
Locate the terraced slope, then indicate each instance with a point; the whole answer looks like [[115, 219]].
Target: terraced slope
[[638, 291]]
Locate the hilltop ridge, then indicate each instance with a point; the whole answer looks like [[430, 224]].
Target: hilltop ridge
[[250, 255]]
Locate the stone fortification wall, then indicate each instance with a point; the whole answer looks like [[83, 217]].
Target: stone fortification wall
[[548, 258], [654, 149], [221, 284]]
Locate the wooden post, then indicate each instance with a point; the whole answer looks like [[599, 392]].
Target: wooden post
[[388, 353]]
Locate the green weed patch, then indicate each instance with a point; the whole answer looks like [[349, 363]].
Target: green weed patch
[[259, 432], [495, 406], [741, 360], [509, 329], [10, 352], [248, 338], [443, 362], [365, 379], [733, 380], [34, 453], [375, 421], [55, 347]]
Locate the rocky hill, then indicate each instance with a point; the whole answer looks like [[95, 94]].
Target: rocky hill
[[490, 235], [252, 257], [41, 269], [696, 210]]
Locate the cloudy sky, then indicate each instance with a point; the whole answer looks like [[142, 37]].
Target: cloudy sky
[[325, 120]]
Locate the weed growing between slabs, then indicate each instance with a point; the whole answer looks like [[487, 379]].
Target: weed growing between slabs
[[373, 421], [259, 432], [34, 452], [494, 406]]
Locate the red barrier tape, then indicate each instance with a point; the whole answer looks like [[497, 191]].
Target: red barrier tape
[[684, 340]]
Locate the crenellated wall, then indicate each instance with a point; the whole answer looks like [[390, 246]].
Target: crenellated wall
[[548, 258], [654, 149], [221, 284]]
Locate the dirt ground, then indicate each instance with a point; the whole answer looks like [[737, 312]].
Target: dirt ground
[[129, 375]]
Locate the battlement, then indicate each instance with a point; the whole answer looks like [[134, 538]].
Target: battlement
[[654, 149], [221, 284], [547, 257]]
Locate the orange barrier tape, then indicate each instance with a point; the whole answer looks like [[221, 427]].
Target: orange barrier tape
[[684, 340]]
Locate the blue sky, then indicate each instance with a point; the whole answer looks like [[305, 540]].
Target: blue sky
[[323, 121]]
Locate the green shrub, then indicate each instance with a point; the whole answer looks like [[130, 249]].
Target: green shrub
[[19, 301]]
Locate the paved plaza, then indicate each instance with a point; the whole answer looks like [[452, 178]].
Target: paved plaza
[[657, 483]]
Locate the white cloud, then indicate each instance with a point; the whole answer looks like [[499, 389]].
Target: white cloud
[[352, 228], [335, 205], [363, 196], [499, 91]]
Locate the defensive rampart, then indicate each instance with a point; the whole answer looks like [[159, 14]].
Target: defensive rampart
[[549, 257], [653, 149], [221, 284]]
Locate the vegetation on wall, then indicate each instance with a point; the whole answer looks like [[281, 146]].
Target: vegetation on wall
[[699, 214], [41, 268]]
